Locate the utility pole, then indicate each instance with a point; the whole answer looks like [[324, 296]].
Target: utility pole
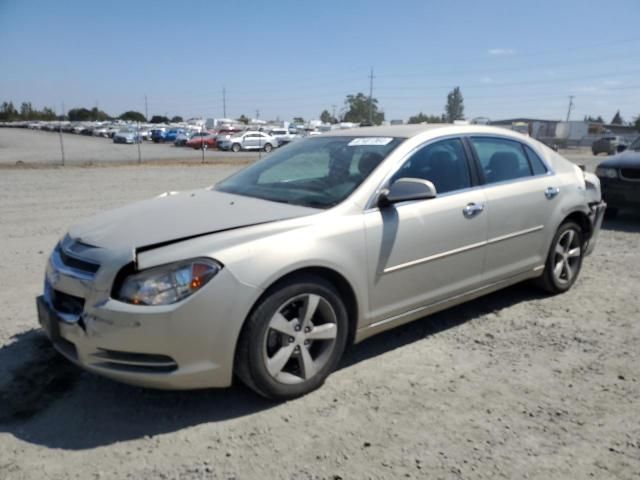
[[224, 102], [570, 107], [333, 111], [371, 77], [257, 114], [146, 108], [60, 133]]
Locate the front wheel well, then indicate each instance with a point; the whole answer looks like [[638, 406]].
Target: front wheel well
[[341, 284]]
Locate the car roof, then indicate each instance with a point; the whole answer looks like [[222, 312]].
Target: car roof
[[409, 131], [403, 131]]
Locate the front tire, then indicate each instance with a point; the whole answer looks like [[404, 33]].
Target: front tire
[[235, 147], [564, 260], [293, 339], [268, 147]]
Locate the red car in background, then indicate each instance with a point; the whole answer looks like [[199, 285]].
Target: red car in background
[[202, 140], [209, 140]]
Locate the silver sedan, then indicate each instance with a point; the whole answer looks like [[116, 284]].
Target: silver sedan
[[270, 274]]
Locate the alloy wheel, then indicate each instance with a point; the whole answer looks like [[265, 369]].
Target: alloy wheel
[[567, 255], [300, 338]]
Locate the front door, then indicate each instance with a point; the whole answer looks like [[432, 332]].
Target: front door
[[422, 252]]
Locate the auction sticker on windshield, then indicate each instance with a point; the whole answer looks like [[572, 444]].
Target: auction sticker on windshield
[[363, 141]]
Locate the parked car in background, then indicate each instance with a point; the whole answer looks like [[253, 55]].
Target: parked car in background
[[270, 274], [102, 131], [144, 132], [127, 135], [226, 133], [608, 144], [169, 135], [620, 179], [283, 135], [182, 138], [204, 140], [251, 140]]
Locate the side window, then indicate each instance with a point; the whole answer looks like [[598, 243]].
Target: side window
[[537, 165], [501, 159], [442, 163]]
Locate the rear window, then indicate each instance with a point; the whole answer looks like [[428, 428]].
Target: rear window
[[501, 159]]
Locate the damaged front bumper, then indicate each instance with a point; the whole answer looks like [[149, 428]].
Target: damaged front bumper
[[596, 214]]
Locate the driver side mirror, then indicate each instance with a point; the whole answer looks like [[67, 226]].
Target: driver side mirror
[[405, 189], [621, 148]]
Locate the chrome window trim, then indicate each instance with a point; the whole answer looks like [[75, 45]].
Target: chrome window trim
[[371, 205]]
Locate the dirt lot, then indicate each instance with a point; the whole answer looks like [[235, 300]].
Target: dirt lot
[[513, 385]]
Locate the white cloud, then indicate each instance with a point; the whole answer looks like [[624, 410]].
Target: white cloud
[[501, 51], [611, 83], [486, 80]]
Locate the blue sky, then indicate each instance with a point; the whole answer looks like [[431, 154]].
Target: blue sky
[[296, 58]]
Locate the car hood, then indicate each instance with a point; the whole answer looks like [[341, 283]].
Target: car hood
[[176, 216], [626, 159]]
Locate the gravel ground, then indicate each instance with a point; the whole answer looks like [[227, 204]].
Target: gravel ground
[[512, 385], [34, 147]]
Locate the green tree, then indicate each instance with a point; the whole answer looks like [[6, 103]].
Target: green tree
[[26, 111], [325, 117], [637, 123], [243, 119], [159, 119], [83, 115], [358, 108], [454, 109], [617, 119], [8, 112], [590, 119], [132, 116], [298, 120], [177, 119], [422, 118]]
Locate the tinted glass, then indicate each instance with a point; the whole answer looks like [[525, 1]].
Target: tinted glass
[[318, 172], [537, 165], [501, 159], [443, 163]]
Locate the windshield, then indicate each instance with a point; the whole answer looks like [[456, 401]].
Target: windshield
[[636, 144], [315, 172]]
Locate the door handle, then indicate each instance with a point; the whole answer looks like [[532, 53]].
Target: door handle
[[472, 209], [551, 192]]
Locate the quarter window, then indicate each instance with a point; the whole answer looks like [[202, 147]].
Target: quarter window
[[501, 159], [537, 165], [443, 163]]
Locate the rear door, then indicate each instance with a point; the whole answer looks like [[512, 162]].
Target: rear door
[[519, 190]]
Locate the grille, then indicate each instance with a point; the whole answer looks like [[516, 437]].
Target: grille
[[76, 263], [630, 173], [65, 303]]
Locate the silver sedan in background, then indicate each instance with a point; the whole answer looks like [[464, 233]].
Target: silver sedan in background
[[270, 274]]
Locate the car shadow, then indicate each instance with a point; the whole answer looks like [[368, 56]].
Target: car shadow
[[51, 402]]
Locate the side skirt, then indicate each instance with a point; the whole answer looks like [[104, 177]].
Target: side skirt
[[423, 311]]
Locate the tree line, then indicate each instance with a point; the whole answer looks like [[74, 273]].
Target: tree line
[[9, 113]]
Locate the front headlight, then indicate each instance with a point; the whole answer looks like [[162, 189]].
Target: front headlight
[[169, 283], [607, 172]]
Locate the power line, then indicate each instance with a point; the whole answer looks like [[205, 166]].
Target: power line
[[570, 107], [371, 77], [224, 102]]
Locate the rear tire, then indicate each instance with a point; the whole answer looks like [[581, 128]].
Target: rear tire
[[268, 147], [564, 259], [293, 339]]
